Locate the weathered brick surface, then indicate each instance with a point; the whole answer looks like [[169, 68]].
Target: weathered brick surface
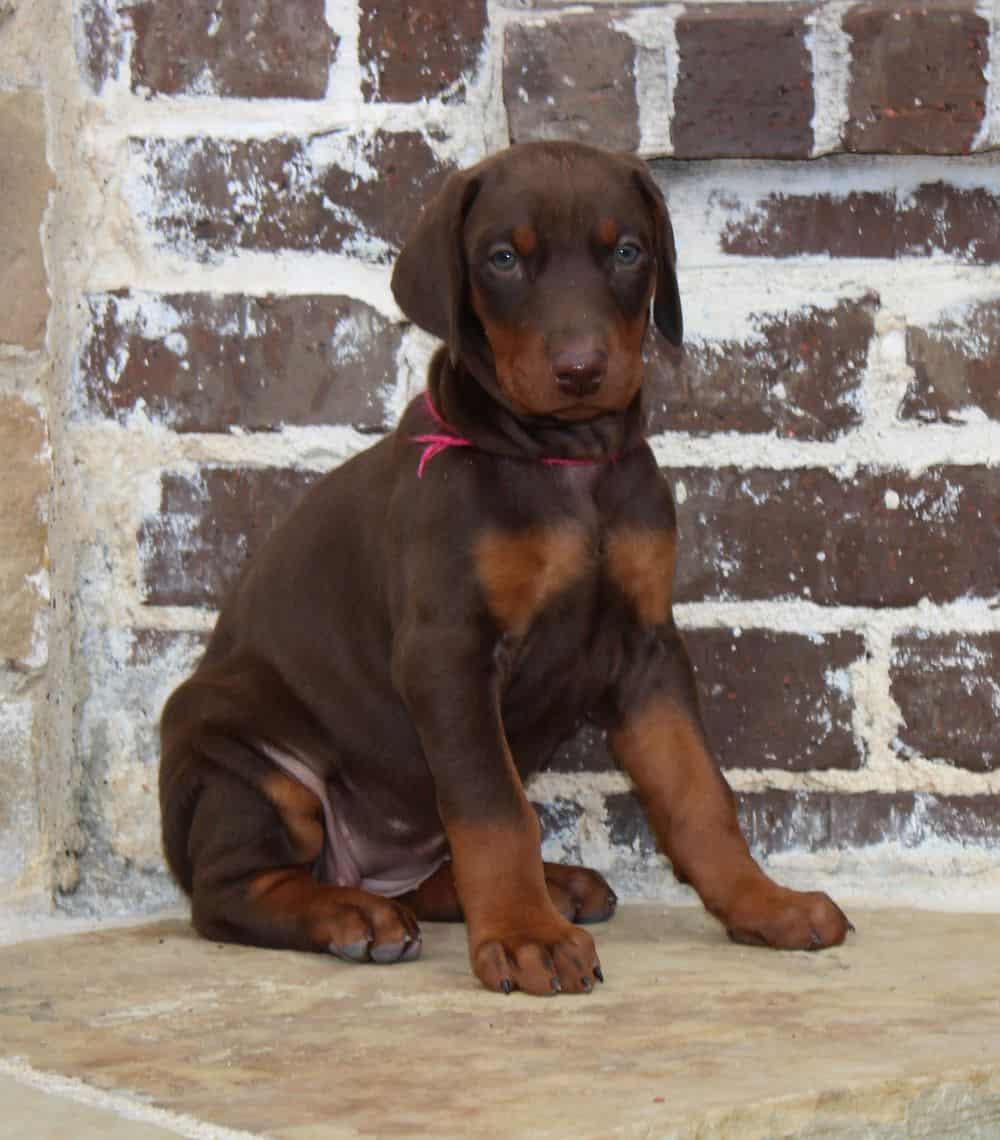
[[956, 365], [917, 77], [243, 48], [98, 45], [776, 821], [872, 539], [947, 687], [744, 85], [418, 50], [572, 78], [797, 374], [20, 837], [936, 218], [358, 195], [208, 526], [27, 181], [206, 363], [24, 492], [776, 700]]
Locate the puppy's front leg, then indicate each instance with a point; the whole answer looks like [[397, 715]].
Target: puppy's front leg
[[517, 939], [661, 744]]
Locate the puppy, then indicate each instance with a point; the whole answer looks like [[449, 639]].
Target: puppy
[[441, 611]]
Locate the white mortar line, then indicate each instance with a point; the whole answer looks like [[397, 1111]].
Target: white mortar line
[[122, 1105], [653, 33], [912, 451], [793, 615], [988, 134], [829, 46], [926, 777]]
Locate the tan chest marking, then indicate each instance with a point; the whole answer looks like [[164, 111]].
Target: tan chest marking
[[522, 572], [640, 562]]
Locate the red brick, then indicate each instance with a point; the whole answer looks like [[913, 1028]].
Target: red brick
[[776, 821], [572, 78], [419, 50], [744, 86], [956, 365], [207, 363], [947, 687], [769, 700], [249, 49], [777, 700], [209, 524], [797, 374], [917, 77], [212, 196], [935, 219], [807, 533]]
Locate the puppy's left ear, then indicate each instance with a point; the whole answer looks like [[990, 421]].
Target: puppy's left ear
[[429, 280], [667, 299]]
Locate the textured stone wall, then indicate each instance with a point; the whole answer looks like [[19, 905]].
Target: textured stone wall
[[234, 179]]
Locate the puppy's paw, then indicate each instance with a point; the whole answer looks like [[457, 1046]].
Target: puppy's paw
[[786, 920], [369, 928], [580, 894], [545, 958]]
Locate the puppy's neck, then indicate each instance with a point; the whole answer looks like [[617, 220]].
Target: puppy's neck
[[468, 398]]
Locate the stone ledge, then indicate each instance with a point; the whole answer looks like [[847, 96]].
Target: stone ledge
[[890, 1036]]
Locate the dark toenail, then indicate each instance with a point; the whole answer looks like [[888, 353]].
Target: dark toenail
[[585, 982], [851, 927], [599, 973], [505, 985], [612, 898], [815, 940], [412, 951], [555, 985]]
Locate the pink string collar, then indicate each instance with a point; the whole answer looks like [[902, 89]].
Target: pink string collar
[[436, 442]]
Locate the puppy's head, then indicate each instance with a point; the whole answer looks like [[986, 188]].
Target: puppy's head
[[545, 258]]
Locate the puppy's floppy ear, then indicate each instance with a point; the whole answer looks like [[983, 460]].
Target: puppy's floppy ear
[[429, 281], [667, 300]]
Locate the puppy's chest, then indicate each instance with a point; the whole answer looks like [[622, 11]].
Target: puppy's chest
[[580, 573]]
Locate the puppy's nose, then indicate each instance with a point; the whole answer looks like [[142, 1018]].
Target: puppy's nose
[[579, 368]]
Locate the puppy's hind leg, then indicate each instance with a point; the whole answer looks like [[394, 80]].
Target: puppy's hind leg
[[255, 835]]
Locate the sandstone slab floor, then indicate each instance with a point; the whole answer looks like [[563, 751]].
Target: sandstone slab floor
[[149, 1031]]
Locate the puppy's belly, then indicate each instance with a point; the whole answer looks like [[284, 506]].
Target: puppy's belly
[[385, 854]]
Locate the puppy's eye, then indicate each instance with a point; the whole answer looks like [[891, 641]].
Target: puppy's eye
[[627, 253], [503, 259]]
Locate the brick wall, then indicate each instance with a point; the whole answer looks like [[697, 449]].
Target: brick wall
[[235, 180]]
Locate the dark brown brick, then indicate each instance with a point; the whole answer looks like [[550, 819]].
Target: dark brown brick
[[207, 363], [571, 78], [947, 687], [777, 700], [797, 374], [870, 539], [956, 364], [211, 196], [248, 49], [744, 85], [419, 50], [776, 821], [935, 219], [209, 524], [917, 77]]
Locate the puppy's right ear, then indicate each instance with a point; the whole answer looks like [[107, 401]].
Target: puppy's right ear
[[429, 281]]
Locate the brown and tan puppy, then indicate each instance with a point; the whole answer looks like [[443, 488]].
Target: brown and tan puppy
[[442, 610]]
